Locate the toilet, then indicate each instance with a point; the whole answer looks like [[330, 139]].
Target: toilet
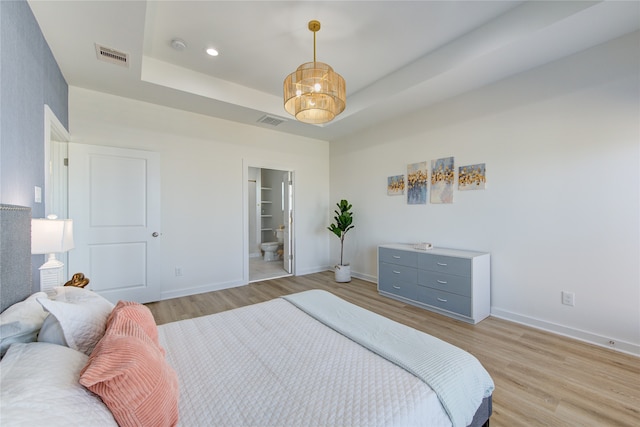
[[270, 251], [271, 248]]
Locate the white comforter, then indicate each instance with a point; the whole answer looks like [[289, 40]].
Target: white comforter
[[458, 378], [270, 364]]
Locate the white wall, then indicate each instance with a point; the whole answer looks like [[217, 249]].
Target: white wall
[[203, 184], [561, 208]]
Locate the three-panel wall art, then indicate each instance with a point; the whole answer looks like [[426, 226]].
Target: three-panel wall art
[[441, 176]]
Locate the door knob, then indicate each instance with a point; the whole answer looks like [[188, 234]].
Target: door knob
[[155, 234]]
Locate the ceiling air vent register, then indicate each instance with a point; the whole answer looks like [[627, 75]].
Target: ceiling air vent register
[[112, 56], [271, 120]]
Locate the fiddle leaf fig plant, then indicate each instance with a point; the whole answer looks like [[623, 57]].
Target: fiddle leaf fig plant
[[343, 223]]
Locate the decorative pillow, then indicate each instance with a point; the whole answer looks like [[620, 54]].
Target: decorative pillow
[[140, 315], [21, 322], [52, 332], [78, 318], [40, 386], [128, 371]]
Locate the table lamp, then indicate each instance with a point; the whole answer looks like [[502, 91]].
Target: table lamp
[[51, 236]]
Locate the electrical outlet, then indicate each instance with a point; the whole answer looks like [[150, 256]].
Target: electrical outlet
[[568, 298], [178, 271]]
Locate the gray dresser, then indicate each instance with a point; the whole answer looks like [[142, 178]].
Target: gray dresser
[[452, 282]]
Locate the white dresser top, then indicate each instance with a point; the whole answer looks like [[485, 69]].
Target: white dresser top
[[435, 251]]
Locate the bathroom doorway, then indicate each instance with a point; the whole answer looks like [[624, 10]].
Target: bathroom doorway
[[270, 214]]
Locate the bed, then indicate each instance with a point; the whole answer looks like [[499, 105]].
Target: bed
[[306, 359]]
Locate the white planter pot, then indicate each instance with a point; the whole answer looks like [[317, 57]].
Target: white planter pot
[[343, 273]]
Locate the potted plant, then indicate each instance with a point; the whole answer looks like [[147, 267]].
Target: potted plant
[[342, 224]]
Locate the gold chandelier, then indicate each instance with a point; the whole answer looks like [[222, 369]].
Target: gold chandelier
[[314, 93]]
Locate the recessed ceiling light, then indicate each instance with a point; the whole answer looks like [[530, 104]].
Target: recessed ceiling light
[[211, 51]]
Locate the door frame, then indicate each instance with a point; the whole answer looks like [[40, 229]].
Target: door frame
[[56, 173], [54, 181], [262, 164]]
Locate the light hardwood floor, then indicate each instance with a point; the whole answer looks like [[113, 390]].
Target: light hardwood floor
[[541, 379]]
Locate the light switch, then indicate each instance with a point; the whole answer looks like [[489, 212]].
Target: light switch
[[38, 194]]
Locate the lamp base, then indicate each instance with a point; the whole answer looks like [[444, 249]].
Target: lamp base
[[51, 275]]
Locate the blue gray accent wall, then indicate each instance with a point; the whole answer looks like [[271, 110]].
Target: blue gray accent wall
[[29, 79]]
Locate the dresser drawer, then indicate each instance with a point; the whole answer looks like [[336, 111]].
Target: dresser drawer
[[397, 287], [445, 300], [445, 282], [445, 264], [390, 273], [395, 256]]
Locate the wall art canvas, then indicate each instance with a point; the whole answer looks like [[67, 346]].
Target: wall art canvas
[[442, 179], [472, 177], [395, 185], [417, 183]]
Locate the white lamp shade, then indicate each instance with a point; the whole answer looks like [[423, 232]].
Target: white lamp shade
[[51, 235]]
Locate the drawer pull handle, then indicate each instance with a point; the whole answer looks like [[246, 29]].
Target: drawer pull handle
[[442, 264], [442, 300], [442, 282], [396, 256], [395, 287], [395, 272]]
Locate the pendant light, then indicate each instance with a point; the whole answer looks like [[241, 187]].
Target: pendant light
[[314, 93]]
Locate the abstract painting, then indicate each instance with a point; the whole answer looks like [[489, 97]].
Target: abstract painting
[[395, 185], [417, 183], [442, 178], [472, 177]]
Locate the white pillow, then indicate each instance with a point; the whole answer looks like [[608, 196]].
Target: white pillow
[[78, 318], [21, 322], [40, 385]]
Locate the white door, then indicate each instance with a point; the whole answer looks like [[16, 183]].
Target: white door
[[114, 201], [288, 222]]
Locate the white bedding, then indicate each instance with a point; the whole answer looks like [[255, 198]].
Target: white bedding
[[458, 378], [39, 386], [272, 364]]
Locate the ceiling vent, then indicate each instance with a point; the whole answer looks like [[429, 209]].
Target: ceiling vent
[[111, 55], [270, 120]]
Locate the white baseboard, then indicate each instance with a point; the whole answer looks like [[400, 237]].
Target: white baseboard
[[578, 334], [210, 287], [200, 289], [366, 277], [589, 337], [312, 270]]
